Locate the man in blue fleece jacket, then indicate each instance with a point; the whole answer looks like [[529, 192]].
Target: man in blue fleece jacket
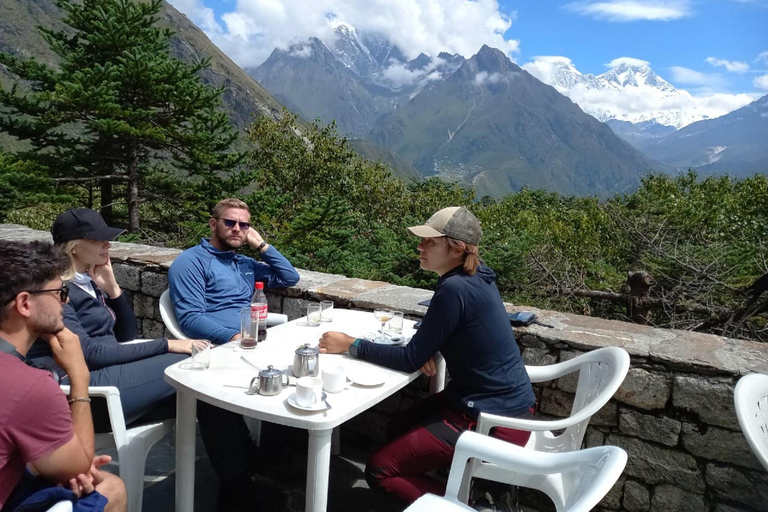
[[210, 283]]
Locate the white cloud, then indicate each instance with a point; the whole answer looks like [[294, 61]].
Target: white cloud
[[689, 76], [630, 61], [301, 51], [733, 66], [632, 10], [762, 57], [761, 82], [483, 78], [250, 32]]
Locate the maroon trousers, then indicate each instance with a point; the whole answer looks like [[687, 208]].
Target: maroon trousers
[[423, 439]]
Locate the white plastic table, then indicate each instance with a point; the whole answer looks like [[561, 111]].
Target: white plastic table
[[278, 350]]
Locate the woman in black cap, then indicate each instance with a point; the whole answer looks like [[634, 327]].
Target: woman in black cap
[[467, 323], [100, 314]]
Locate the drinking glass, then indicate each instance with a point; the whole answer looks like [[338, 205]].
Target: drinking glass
[[201, 355], [326, 313], [396, 322], [313, 314], [249, 329], [383, 316]]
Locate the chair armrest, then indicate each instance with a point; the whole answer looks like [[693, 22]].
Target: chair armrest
[[486, 422], [105, 391], [135, 342], [114, 406], [276, 319]]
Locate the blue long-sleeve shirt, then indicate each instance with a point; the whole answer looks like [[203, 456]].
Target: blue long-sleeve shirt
[[467, 323], [209, 287], [102, 326]]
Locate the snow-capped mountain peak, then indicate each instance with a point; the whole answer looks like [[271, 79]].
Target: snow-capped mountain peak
[[629, 91]]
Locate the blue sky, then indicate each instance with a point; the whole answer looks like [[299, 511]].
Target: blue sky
[[724, 29], [716, 50]]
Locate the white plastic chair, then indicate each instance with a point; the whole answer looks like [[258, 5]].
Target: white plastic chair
[[169, 317], [751, 401], [601, 372], [574, 481], [62, 506], [132, 444]]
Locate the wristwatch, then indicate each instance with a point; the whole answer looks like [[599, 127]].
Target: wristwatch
[[261, 246], [353, 348]]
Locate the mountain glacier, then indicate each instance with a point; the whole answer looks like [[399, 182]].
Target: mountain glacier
[[629, 91]]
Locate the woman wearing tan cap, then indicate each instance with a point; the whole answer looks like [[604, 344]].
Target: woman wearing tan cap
[[467, 323]]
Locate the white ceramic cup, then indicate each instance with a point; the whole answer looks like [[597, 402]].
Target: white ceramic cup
[[334, 378], [309, 391]]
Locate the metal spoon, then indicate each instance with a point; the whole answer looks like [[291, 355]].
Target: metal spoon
[[250, 363]]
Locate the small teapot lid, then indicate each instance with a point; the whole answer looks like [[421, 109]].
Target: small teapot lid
[[271, 371], [307, 350]]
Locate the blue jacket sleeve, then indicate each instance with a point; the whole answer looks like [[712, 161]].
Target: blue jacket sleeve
[[186, 281], [126, 326], [439, 322], [275, 270], [105, 351]]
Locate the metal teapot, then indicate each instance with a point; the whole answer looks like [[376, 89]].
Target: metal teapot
[[306, 361], [269, 382]]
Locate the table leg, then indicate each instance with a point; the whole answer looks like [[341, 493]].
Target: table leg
[[186, 410], [318, 469]]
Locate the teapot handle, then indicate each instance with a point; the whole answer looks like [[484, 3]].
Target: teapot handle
[[254, 384]]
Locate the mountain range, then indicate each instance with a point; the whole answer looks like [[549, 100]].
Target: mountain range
[[632, 79], [481, 121], [736, 143]]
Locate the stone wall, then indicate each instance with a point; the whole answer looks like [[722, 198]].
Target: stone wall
[[673, 415]]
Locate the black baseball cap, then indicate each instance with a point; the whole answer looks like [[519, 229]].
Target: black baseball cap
[[82, 223]]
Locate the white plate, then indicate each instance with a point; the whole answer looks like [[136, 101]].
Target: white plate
[[367, 377], [319, 406]]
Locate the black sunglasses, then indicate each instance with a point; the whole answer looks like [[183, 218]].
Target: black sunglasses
[[63, 292], [230, 223]]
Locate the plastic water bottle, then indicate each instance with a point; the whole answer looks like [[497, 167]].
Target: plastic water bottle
[[259, 309]]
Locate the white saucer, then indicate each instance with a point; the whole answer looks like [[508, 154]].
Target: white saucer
[[319, 406], [367, 377]]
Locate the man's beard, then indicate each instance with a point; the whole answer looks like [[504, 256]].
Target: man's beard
[[47, 323], [224, 242]]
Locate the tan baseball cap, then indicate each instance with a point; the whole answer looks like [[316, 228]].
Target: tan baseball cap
[[455, 221]]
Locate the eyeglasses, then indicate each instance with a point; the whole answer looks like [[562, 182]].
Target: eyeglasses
[[230, 223], [63, 292]]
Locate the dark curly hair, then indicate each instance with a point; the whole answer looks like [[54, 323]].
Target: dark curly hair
[[27, 266]]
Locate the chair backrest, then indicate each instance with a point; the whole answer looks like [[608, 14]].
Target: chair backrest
[[601, 373], [574, 481], [169, 316], [62, 506], [751, 403]]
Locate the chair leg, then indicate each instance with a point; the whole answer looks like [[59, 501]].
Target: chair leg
[[131, 467], [254, 426]]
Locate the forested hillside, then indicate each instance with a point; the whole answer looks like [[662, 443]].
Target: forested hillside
[[678, 252]]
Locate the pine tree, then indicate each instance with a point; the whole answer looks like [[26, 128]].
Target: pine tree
[[119, 110]]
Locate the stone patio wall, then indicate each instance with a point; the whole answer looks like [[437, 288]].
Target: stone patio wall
[[674, 413]]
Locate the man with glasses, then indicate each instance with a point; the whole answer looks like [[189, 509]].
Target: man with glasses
[[41, 430], [210, 283]]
